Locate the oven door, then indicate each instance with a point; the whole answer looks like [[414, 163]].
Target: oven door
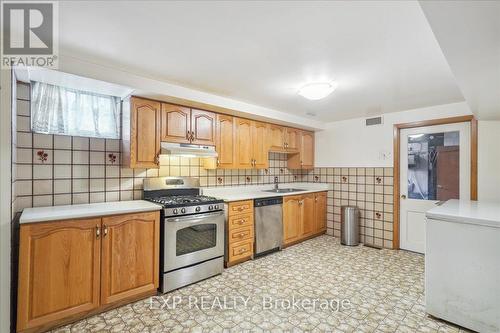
[[192, 239]]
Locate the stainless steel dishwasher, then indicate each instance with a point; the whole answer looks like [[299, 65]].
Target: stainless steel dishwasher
[[268, 225]]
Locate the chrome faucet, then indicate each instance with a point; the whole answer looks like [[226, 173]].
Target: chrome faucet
[[276, 183]]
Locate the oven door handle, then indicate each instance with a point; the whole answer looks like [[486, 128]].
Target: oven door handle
[[193, 217]]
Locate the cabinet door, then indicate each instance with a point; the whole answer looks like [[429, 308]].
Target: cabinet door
[[276, 138], [59, 267], [130, 256], [202, 127], [224, 143], [243, 143], [292, 138], [175, 123], [260, 145], [292, 215], [145, 133], [308, 221], [307, 150], [320, 211]]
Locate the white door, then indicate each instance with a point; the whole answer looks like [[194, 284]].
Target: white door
[[435, 167]]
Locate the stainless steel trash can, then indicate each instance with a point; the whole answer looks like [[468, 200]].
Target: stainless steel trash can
[[349, 228]]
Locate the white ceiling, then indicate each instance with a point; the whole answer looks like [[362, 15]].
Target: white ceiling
[[383, 54], [469, 35]]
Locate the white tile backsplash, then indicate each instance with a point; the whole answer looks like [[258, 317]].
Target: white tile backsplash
[[62, 156], [42, 141], [62, 171], [42, 171], [62, 142], [80, 143]]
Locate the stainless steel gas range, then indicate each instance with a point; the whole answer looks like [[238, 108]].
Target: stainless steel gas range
[[192, 231]]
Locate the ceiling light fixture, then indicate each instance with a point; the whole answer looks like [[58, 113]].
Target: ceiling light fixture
[[317, 90]]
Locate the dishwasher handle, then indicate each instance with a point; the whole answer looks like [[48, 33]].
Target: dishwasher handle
[[268, 201]]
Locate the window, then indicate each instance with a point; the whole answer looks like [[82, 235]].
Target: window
[[66, 111]]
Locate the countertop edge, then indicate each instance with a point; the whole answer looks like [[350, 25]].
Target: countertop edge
[[65, 215], [462, 219], [252, 196]]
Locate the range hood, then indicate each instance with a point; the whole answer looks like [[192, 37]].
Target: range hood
[[187, 150]]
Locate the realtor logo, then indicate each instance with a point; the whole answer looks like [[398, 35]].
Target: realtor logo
[[29, 33]]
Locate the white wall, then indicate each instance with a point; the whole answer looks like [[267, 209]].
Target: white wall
[[489, 160], [350, 143]]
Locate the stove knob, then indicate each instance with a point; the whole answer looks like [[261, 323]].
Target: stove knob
[[197, 209], [216, 207], [183, 210], [210, 207], [175, 211]]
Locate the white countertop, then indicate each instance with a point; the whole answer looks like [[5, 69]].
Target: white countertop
[[247, 192], [466, 211], [44, 214]]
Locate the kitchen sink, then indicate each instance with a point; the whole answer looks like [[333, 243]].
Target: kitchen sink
[[284, 190]]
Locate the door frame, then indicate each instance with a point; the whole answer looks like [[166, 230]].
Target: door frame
[[396, 142]]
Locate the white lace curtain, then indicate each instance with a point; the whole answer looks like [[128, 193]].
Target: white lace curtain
[[65, 111]]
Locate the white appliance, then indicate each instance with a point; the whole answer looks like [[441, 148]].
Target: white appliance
[[462, 264]]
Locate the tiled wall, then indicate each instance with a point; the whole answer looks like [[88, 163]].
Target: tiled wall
[[370, 189], [58, 170]]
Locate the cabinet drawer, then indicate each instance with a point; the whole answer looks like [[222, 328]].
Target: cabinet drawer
[[240, 207], [240, 221], [240, 234], [240, 250]]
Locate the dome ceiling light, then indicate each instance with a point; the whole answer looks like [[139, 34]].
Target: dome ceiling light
[[317, 90]]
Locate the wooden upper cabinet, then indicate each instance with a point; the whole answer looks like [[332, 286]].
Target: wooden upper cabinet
[[243, 143], [224, 142], [202, 127], [59, 271], [292, 215], [175, 123], [130, 255], [141, 133], [307, 149], [305, 157], [320, 211], [276, 138], [308, 221], [292, 139], [260, 145]]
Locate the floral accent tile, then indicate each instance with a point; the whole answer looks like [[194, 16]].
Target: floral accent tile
[[42, 156]]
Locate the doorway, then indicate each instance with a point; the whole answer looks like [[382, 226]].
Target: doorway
[[434, 161]]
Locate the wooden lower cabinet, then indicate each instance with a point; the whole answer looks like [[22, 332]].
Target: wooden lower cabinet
[[308, 221], [130, 256], [304, 216], [320, 201], [240, 232], [292, 219], [59, 271], [73, 268]]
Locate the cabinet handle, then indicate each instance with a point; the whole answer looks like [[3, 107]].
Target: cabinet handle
[[187, 135], [243, 250], [192, 136], [157, 159], [218, 162], [105, 230], [97, 231]]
